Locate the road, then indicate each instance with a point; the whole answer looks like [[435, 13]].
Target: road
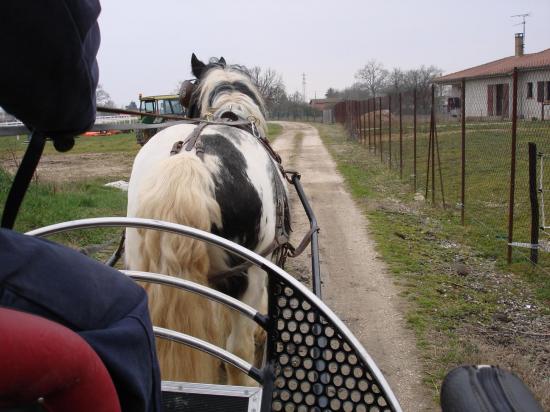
[[356, 283]]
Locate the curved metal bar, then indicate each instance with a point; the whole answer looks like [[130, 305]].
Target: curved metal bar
[[245, 254], [315, 261], [205, 291], [211, 349]]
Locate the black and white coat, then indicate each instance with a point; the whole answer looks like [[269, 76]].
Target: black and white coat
[[229, 190]]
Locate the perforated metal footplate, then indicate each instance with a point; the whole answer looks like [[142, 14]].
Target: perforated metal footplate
[[181, 396], [315, 365]]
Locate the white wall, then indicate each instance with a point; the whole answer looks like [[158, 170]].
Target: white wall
[[530, 108], [476, 95]]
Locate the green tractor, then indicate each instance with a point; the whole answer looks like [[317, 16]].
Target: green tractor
[[163, 104]]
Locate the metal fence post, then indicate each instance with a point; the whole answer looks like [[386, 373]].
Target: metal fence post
[[380, 126], [364, 122], [389, 128], [512, 164], [368, 121], [374, 123], [400, 138], [463, 149], [357, 120], [356, 114], [534, 203], [414, 138]]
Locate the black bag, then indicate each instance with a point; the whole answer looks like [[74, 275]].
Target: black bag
[[485, 388]]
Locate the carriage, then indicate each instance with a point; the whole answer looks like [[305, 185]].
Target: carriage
[[310, 360]]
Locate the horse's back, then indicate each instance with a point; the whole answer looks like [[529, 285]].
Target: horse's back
[[151, 154], [243, 173]]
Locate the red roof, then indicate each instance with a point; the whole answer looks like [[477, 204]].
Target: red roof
[[501, 67]]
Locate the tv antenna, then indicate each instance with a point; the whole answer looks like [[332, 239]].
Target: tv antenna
[[522, 17]]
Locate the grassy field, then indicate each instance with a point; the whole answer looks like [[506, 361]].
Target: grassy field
[[464, 307], [124, 142]]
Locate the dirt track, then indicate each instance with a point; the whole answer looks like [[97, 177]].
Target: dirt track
[[356, 283]]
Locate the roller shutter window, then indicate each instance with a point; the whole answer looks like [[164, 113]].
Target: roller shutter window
[[490, 94]]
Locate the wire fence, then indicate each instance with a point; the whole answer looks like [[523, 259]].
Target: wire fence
[[464, 146], [301, 113]]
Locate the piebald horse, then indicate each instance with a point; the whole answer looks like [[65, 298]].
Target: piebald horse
[[226, 182]]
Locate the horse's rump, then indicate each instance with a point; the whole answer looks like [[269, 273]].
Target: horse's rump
[[229, 191]]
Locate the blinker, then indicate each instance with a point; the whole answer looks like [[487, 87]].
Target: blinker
[[186, 90]]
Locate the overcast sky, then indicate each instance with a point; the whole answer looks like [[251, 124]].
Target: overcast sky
[[146, 45]]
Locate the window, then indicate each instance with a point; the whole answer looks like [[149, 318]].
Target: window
[[148, 106], [176, 107], [547, 90], [530, 90]]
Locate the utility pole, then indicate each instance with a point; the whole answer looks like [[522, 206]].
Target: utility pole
[[304, 86]]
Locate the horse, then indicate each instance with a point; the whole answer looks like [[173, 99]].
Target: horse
[[226, 182]]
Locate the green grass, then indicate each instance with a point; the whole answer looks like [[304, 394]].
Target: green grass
[[48, 203], [120, 143], [422, 246], [273, 131]]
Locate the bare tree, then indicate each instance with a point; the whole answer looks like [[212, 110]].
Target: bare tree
[[373, 76], [396, 80], [103, 98], [421, 79], [269, 83]]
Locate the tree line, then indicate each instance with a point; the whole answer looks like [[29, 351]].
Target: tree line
[[374, 80]]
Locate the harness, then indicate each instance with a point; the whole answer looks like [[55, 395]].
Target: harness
[[280, 245]]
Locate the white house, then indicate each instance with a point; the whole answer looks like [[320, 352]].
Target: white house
[[488, 91]]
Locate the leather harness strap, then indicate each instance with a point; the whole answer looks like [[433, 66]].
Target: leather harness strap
[[191, 142]]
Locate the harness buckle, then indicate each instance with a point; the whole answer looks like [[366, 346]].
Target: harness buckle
[[253, 126]]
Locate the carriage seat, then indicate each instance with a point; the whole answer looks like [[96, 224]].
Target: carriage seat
[[485, 389], [41, 359]]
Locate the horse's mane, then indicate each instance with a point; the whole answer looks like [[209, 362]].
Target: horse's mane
[[225, 84]]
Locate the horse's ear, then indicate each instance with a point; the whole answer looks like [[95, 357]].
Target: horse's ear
[[197, 67], [222, 61]]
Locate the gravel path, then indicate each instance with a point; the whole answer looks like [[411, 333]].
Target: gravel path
[[356, 283]]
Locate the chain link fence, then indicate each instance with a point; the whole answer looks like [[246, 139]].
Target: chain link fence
[[463, 146]]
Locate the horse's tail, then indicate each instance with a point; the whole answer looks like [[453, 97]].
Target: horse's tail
[[181, 190]]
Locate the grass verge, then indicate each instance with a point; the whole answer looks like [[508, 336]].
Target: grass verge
[[273, 131], [464, 308]]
